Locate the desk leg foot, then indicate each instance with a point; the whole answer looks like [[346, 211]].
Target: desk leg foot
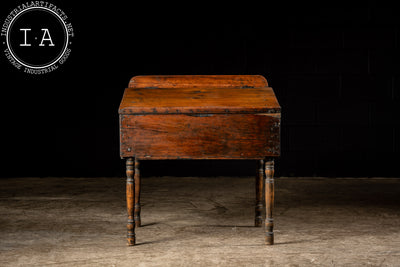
[[269, 201], [130, 197], [137, 194], [259, 193]]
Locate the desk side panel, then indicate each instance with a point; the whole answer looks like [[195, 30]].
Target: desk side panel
[[200, 136]]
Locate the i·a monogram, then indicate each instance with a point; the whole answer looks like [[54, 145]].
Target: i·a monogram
[[46, 37]]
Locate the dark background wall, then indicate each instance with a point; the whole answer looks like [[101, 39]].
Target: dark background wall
[[335, 71]]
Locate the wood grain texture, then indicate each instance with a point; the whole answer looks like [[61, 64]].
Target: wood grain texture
[[199, 100], [200, 117], [138, 221], [233, 136], [130, 196], [197, 81], [269, 201], [259, 193]]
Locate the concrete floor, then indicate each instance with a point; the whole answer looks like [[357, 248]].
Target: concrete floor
[[199, 222]]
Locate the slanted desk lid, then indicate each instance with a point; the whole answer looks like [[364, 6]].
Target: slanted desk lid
[[198, 81], [198, 100]]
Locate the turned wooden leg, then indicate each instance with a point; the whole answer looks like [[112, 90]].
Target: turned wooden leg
[[269, 201], [130, 196], [137, 194], [259, 193]]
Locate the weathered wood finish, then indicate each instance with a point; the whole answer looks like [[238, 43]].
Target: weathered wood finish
[[130, 196], [219, 136], [269, 201], [137, 194], [198, 81], [259, 193], [200, 117], [198, 101]]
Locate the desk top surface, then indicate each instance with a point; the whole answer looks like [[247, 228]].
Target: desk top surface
[[198, 100]]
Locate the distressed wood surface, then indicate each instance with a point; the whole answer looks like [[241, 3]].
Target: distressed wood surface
[[259, 193], [200, 117], [269, 201], [197, 81], [198, 100], [233, 136], [138, 221], [130, 197]]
